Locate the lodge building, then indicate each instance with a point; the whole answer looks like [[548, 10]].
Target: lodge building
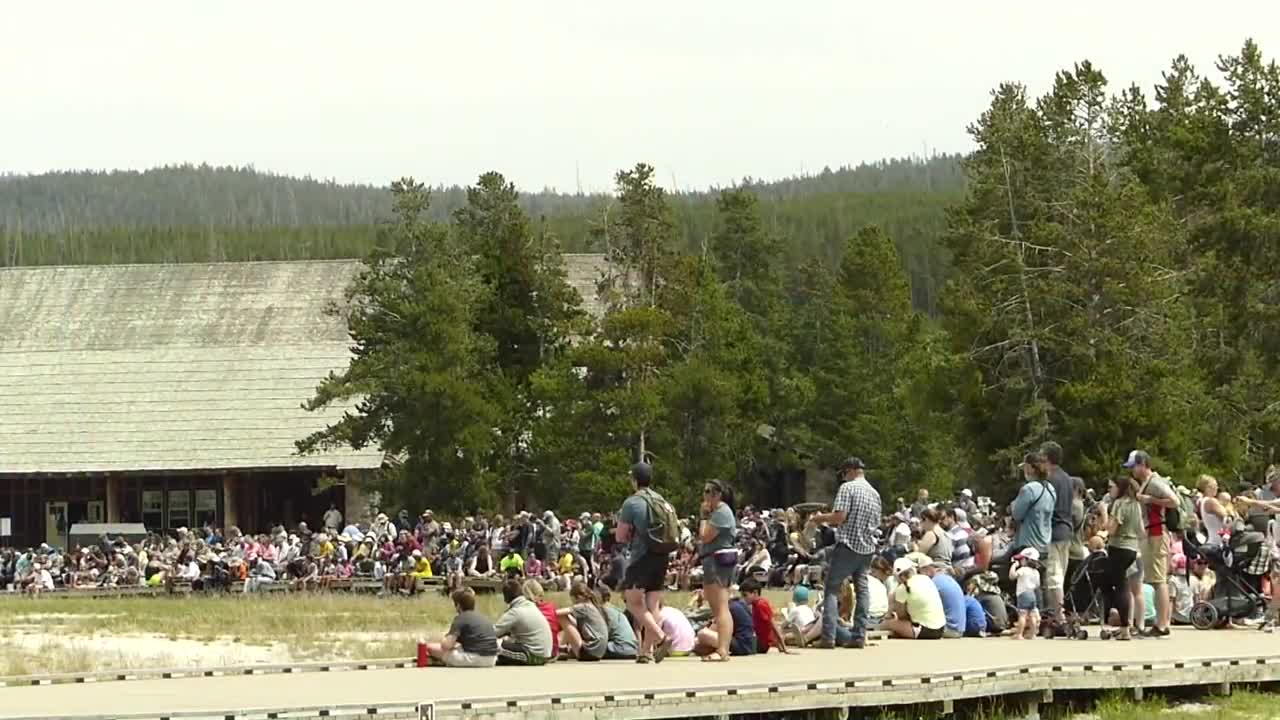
[[171, 395]]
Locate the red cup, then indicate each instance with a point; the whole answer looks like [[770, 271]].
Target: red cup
[[424, 657]]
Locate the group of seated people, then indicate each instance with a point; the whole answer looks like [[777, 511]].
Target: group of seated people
[[591, 628]]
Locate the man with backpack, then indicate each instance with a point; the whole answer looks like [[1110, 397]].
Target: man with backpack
[[648, 526], [1157, 498]]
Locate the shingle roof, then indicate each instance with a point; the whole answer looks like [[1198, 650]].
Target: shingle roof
[[131, 368]]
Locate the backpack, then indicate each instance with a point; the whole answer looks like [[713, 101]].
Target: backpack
[[1184, 517], [664, 524]]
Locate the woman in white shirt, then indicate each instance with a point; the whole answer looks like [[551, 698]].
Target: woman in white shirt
[[1213, 517]]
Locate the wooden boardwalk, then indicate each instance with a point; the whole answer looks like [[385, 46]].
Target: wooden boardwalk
[[891, 672]]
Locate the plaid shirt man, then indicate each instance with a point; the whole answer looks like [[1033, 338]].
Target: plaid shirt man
[[861, 504]]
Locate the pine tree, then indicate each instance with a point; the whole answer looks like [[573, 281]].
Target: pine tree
[[1213, 154], [1066, 300], [526, 308], [420, 372]]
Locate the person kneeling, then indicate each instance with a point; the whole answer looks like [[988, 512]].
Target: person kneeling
[[919, 613], [471, 641]]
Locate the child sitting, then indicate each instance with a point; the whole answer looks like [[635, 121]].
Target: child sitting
[[1026, 574]]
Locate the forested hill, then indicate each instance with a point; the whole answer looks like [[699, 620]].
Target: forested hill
[[200, 213], [191, 195]]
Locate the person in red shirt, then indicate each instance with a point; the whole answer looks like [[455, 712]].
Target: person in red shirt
[[768, 632], [533, 590]]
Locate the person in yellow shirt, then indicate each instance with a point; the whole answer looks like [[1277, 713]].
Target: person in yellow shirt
[[323, 547], [564, 570], [421, 565]]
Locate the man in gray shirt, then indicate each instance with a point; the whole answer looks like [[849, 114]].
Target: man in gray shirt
[[646, 572], [523, 630], [1060, 535]]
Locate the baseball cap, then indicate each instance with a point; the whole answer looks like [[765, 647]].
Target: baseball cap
[[642, 471], [967, 492], [902, 565], [1029, 554], [919, 559], [1136, 458], [852, 463]]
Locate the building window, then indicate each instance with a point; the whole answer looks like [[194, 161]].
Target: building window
[[206, 508], [153, 509], [179, 509]]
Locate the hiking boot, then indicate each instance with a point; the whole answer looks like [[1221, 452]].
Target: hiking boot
[[857, 644], [825, 644]]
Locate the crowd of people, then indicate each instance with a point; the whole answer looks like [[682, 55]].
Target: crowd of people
[[1138, 559]]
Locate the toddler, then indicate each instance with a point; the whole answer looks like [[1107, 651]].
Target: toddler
[[1026, 575]]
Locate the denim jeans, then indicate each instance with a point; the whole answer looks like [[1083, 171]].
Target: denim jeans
[[846, 564]]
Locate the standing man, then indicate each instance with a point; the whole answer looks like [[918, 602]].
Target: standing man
[[1156, 496], [856, 513], [1060, 536], [921, 504], [332, 519], [646, 572]]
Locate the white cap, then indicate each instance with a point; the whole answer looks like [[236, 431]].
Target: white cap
[[902, 565], [967, 492], [1030, 554]]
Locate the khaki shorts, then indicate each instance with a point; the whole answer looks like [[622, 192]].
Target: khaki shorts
[[1155, 560], [1055, 564], [459, 658]]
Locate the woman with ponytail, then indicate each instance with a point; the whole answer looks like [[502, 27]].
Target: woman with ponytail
[[584, 629], [719, 559]]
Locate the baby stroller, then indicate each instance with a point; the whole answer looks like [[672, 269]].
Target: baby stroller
[[1082, 601], [1234, 597]]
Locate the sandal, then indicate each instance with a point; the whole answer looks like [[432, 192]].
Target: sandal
[[662, 650], [715, 657], [643, 660]]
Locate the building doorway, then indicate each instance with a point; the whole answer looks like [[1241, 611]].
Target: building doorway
[[55, 525]]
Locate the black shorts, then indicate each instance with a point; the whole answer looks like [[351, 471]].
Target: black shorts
[[648, 573], [924, 633]]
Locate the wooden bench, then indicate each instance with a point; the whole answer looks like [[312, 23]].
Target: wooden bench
[[108, 592], [180, 587], [366, 584], [484, 584]]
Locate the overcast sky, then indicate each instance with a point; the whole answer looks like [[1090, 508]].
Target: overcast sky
[[551, 91]]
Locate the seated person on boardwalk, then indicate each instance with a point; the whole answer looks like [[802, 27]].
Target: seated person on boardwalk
[[471, 641], [523, 632], [585, 632], [917, 611]]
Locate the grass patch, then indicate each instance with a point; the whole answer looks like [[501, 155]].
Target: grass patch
[[60, 633]]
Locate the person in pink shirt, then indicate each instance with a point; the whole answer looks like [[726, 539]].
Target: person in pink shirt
[[676, 626]]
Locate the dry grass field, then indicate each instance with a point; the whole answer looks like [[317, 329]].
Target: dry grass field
[[55, 635]]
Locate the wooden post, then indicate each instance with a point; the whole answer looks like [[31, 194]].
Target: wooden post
[[229, 515], [113, 498]]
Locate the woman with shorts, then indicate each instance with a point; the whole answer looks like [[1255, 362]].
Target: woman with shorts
[[719, 560]]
